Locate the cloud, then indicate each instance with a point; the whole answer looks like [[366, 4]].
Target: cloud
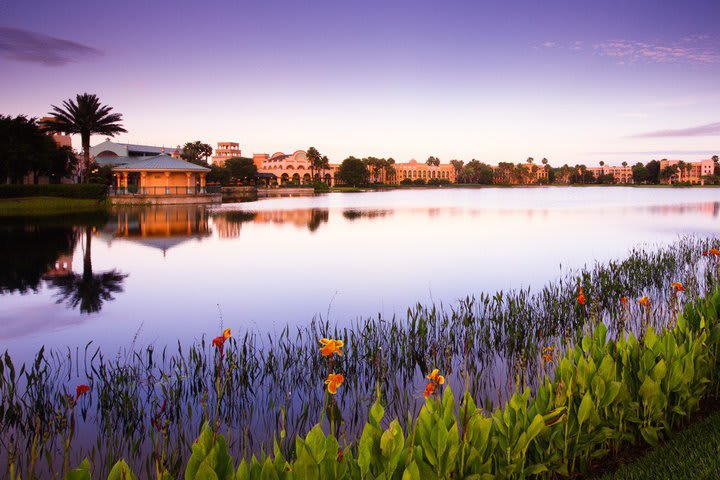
[[710, 129], [25, 46], [634, 115], [692, 50], [548, 44]]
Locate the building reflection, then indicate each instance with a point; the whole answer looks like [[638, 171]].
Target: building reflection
[[158, 227], [229, 223]]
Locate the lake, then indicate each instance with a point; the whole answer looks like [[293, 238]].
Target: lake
[[180, 272]]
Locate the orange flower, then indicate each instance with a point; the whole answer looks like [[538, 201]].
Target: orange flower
[[331, 346], [226, 333], [340, 455], [547, 353], [623, 300], [333, 381], [435, 377], [429, 389], [677, 286], [714, 251], [80, 391], [644, 301], [581, 297]]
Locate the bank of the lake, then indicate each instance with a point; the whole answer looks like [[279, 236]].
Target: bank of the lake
[[44, 206]]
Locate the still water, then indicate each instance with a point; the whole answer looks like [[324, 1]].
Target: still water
[[156, 275]]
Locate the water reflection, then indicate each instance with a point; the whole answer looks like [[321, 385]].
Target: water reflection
[[28, 250], [89, 290], [160, 227]]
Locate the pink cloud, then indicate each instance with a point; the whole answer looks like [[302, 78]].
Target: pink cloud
[[710, 129], [689, 51]]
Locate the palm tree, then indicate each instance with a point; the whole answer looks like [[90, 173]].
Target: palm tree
[[84, 116], [313, 156], [544, 161], [602, 163], [324, 164], [88, 290], [530, 160], [624, 164]]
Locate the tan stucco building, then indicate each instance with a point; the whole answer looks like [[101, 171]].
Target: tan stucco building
[[160, 175]]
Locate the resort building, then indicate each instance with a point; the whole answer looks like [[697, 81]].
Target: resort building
[[621, 174], [690, 172], [159, 175], [413, 170], [112, 153], [61, 140], [224, 151], [292, 168]]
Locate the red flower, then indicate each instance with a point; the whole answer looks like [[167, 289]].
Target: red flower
[[80, 391], [218, 342], [704, 254], [623, 300], [677, 286], [581, 297], [429, 389]]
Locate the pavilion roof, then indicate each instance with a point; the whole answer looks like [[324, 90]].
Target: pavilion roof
[[160, 163]]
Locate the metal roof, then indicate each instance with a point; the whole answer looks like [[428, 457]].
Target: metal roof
[[161, 162], [133, 147], [114, 161]]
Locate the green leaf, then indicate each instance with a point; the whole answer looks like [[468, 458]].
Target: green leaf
[[587, 408], [82, 472], [121, 471]]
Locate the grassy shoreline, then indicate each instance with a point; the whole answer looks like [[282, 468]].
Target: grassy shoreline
[[39, 206]]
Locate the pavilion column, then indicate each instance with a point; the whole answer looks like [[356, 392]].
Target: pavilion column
[[141, 182], [167, 183], [187, 176], [202, 183]]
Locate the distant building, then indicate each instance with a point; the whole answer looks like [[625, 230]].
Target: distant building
[[693, 172], [413, 170], [292, 168], [224, 151], [621, 174], [61, 140], [112, 153]]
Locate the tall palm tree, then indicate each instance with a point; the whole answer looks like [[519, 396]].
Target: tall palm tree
[[84, 116], [544, 161], [89, 290], [313, 157]]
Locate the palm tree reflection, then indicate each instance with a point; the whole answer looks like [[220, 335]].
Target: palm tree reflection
[[90, 290]]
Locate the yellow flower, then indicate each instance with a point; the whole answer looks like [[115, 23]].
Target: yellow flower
[[331, 346], [644, 301], [333, 381], [226, 333], [435, 377]]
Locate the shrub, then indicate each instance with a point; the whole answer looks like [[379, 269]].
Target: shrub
[[438, 181], [406, 181], [419, 181], [86, 190]]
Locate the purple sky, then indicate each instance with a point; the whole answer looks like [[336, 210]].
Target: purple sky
[[574, 81]]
